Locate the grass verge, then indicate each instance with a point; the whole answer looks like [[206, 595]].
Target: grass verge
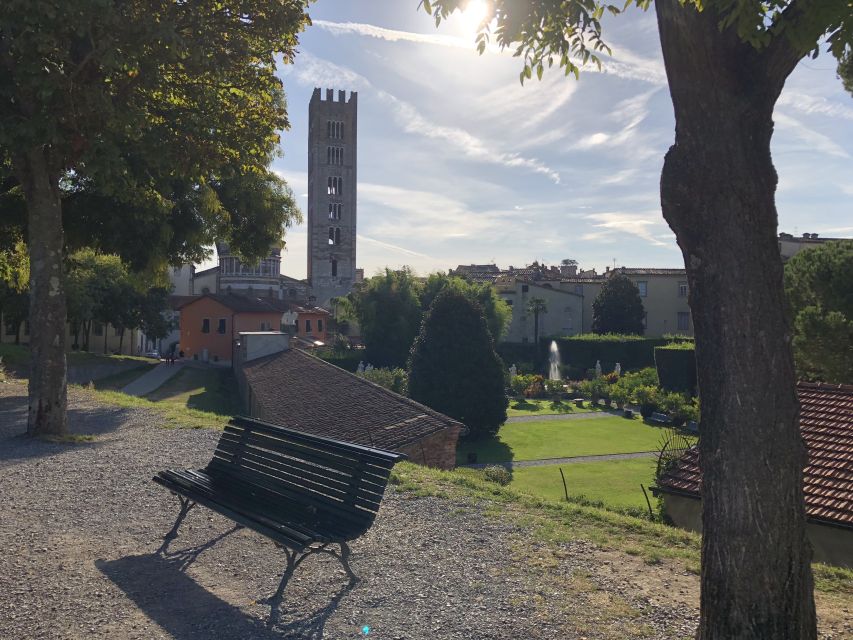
[[556, 522]]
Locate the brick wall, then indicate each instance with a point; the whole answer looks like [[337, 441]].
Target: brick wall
[[436, 450]]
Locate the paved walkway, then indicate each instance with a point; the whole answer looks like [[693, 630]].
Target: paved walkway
[[562, 416], [153, 379], [514, 464]]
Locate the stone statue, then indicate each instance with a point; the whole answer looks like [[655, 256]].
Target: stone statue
[[617, 369], [513, 371], [368, 368], [360, 367], [598, 368]]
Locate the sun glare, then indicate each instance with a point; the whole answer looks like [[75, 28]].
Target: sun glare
[[473, 15]]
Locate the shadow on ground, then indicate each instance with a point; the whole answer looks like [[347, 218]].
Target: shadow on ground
[[13, 428], [160, 587]]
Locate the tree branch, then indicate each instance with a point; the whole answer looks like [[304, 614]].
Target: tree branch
[[796, 32]]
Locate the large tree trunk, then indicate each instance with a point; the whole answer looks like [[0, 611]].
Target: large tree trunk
[[717, 194], [47, 386]]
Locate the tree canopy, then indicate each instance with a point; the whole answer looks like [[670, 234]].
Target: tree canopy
[[819, 287], [453, 366], [168, 110], [618, 307]]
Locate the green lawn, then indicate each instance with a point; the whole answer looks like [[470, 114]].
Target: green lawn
[[19, 355], [525, 407], [536, 440], [211, 390], [616, 483]]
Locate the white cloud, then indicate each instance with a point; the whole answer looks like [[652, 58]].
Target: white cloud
[[814, 105], [610, 225], [312, 70], [815, 141]]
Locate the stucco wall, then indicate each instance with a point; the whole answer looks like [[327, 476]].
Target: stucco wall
[[832, 545]]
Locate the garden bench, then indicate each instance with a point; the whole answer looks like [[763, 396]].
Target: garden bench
[[660, 418], [302, 491]]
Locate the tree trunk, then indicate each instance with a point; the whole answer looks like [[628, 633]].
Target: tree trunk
[[717, 194], [47, 385], [120, 340]]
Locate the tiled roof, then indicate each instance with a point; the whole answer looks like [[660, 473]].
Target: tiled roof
[[244, 304], [649, 271], [303, 392], [826, 422]]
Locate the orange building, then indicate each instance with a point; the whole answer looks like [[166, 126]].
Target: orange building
[[210, 324], [312, 323]]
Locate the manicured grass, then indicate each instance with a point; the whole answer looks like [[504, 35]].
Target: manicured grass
[[210, 390], [536, 440], [616, 483], [525, 407], [175, 414], [19, 356]]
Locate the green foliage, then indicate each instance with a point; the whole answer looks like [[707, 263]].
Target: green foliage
[[595, 389], [390, 306], [845, 71], [553, 387], [819, 288], [498, 313], [397, 380], [618, 307], [583, 350], [388, 310], [647, 397], [347, 360], [676, 367], [453, 366], [497, 474], [536, 307]]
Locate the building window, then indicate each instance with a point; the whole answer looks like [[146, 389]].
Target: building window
[[335, 129], [334, 211], [335, 185], [296, 325], [266, 326], [307, 326], [334, 268], [320, 326], [525, 288], [334, 235], [509, 302], [682, 289], [643, 286], [97, 329], [221, 327], [683, 321], [334, 155], [205, 325]]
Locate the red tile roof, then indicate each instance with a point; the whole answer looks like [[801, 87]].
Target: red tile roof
[[300, 391], [826, 422]]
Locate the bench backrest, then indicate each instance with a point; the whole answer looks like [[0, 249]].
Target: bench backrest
[[339, 485]]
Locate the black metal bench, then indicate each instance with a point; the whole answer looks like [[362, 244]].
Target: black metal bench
[[302, 491]]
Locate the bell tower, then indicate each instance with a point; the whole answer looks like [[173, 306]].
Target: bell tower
[[332, 158]]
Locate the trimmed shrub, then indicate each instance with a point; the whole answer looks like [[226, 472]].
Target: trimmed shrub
[[396, 380], [347, 360], [498, 474], [676, 367], [647, 397], [453, 367], [583, 350], [553, 387]]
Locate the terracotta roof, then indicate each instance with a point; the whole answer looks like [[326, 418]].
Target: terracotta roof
[[303, 392], [826, 422], [244, 304], [649, 271]]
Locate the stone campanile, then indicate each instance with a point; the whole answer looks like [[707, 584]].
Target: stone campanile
[[332, 156]]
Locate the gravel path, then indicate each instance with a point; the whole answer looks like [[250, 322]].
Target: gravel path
[[514, 464], [81, 525]]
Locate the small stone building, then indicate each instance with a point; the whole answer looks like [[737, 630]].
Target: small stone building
[[826, 422], [292, 388]]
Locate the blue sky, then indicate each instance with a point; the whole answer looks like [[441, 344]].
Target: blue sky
[[459, 163]]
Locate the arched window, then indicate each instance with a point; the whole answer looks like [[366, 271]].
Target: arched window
[[334, 267], [331, 235], [337, 235]]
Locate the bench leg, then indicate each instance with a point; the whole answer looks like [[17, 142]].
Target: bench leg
[[186, 505]]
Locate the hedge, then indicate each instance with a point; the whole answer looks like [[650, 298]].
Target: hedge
[[581, 352], [676, 365], [347, 360]]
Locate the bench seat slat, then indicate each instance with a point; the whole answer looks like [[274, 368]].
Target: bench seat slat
[[277, 531]]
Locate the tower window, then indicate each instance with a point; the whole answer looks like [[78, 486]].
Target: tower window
[[335, 185], [334, 268], [334, 235], [334, 211], [334, 155], [337, 235], [335, 129]]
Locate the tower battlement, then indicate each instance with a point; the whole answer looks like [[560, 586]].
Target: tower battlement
[[330, 96]]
